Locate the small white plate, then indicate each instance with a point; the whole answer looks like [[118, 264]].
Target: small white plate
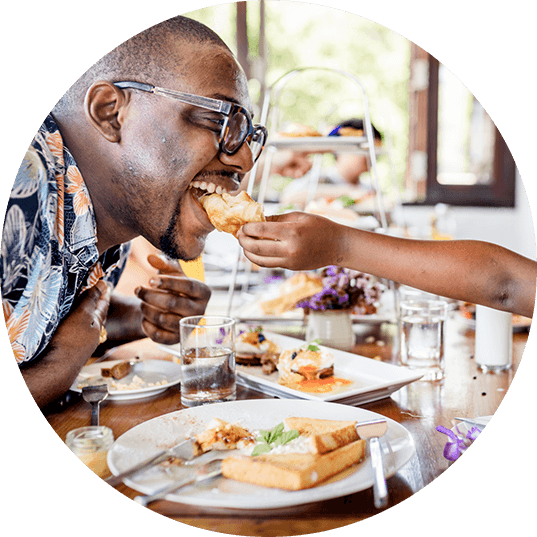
[[156, 375], [150, 437]]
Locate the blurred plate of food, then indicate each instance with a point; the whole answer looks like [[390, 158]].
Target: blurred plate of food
[[467, 314]]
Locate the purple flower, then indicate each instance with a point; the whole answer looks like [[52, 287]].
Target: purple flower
[[344, 289], [458, 443]]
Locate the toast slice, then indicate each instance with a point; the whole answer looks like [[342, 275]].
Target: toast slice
[[324, 435], [292, 471]]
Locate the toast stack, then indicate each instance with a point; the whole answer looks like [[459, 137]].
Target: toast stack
[[332, 447]]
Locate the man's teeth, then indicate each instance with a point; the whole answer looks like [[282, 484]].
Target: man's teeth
[[209, 187]]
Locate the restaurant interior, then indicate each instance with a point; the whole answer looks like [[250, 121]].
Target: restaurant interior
[[440, 170]]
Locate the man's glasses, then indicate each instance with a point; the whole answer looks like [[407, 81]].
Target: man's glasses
[[236, 127]]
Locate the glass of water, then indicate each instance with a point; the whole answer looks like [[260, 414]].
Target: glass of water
[[207, 359], [422, 336]]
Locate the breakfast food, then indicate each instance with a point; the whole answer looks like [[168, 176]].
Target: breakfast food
[[309, 369], [323, 448], [117, 371], [220, 434], [229, 213], [305, 363], [253, 348], [323, 435], [292, 291], [297, 130]]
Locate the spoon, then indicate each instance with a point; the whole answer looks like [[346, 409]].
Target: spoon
[[94, 395]]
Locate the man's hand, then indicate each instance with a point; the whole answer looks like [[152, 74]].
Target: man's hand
[[83, 324], [170, 297]]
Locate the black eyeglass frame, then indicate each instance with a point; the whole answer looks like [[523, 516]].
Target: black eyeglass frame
[[255, 133]]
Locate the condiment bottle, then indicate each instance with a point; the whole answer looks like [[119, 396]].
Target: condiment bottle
[[91, 445]]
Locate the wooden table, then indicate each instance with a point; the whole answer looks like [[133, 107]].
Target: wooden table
[[419, 407]]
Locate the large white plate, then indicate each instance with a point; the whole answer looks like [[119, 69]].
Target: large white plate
[[150, 371], [372, 379], [150, 437]]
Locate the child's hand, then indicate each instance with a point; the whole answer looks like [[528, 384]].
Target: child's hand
[[296, 241]]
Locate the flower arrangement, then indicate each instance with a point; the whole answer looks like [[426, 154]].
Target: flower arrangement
[[458, 442], [344, 289]]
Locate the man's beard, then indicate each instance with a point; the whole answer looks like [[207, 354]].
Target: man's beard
[[168, 244]]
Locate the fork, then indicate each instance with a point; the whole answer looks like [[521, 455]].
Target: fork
[[201, 472], [95, 395]]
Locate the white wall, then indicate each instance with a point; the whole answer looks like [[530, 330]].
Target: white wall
[[512, 228]]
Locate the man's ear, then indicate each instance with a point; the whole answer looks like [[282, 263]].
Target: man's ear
[[103, 106]]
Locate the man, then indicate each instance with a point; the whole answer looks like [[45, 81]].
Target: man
[[111, 162]]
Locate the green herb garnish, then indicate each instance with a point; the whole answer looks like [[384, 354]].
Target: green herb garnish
[[314, 345], [275, 437], [346, 201]]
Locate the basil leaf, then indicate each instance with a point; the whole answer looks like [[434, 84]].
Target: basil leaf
[[260, 449]]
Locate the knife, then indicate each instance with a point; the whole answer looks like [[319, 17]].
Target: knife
[[372, 431], [480, 422], [185, 450]]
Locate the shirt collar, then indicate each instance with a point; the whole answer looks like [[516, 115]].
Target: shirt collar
[[82, 241]]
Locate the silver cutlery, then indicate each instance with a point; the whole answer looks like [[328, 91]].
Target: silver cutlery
[[185, 450], [200, 473], [95, 395], [480, 422], [372, 431]]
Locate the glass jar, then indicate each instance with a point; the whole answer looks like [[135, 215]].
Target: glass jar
[[332, 328], [91, 445]]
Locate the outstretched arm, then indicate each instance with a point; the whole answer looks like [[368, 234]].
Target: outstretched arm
[[469, 270]]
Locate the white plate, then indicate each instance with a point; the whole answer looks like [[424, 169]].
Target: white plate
[[372, 379], [251, 311], [323, 143], [150, 437], [150, 371]]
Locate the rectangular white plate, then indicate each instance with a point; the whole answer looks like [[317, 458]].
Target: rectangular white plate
[[372, 379]]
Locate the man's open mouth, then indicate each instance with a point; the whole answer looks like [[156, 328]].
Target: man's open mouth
[[200, 188]]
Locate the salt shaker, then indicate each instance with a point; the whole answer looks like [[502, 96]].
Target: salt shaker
[[493, 339]]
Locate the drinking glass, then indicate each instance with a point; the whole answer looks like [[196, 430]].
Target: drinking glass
[[422, 336], [493, 339], [207, 359]]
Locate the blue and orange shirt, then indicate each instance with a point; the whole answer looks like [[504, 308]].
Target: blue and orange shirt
[[49, 244]]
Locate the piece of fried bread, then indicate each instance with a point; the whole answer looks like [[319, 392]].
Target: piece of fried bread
[[229, 213], [332, 446], [324, 435], [292, 471]]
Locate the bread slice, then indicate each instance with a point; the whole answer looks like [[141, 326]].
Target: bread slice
[[325, 435], [292, 471]]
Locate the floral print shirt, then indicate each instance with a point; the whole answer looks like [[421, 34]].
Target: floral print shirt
[[49, 244]]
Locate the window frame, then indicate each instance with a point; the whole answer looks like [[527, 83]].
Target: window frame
[[499, 193]]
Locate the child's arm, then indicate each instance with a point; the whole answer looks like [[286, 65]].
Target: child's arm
[[473, 271]]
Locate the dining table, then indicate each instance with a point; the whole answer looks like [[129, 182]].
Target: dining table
[[421, 406]]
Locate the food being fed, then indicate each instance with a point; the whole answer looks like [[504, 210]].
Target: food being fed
[[253, 348], [229, 213], [319, 450]]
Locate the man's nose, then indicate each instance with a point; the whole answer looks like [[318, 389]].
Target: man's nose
[[241, 162]]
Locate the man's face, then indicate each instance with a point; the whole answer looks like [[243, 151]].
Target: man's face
[[170, 153]]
